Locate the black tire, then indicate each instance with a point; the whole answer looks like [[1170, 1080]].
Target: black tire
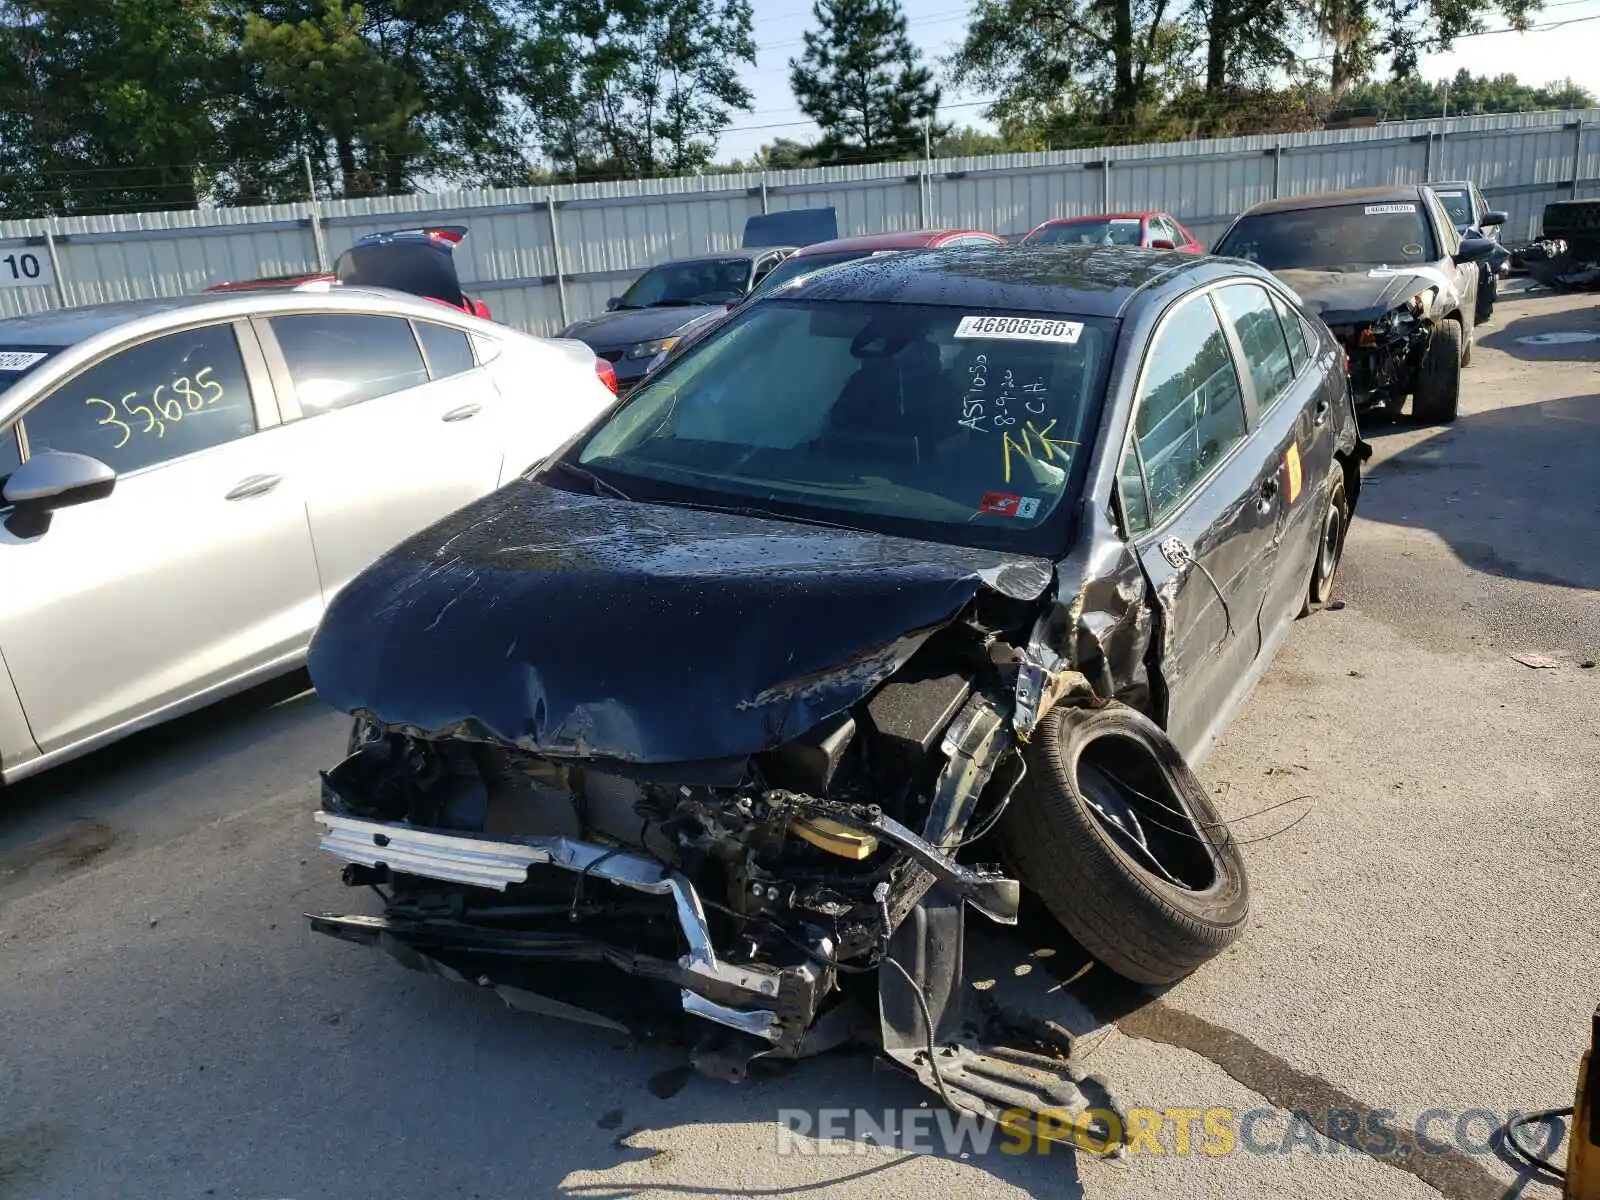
[[1438, 390], [1488, 293], [1330, 544], [1095, 882], [1466, 350]]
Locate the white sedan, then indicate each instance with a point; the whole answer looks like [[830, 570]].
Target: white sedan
[[185, 483]]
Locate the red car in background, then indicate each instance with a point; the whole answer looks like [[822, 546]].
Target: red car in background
[[419, 261], [828, 254], [1152, 230]]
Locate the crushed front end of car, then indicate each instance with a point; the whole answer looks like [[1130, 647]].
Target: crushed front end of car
[[565, 790], [1385, 351]]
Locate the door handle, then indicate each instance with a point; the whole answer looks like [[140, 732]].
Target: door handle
[[253, 485], [1324, 407], [462, 413]]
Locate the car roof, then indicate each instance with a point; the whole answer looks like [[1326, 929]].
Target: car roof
[[1449, 183], [1092, 281], [1371, 195], [910, 239], [1111, 216], [745, 252], [68, 326]]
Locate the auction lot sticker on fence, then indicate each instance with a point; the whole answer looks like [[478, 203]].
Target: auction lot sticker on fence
[[1379, 210], [1020, 329], [28, 267]]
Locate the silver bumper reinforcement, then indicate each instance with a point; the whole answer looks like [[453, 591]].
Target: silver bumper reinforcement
[[489, 863]]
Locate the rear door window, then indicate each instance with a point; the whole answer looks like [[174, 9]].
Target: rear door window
[[1299, 334], [1189, 412], [449, 350], [1249, 310], [159, 400], [340, 359]]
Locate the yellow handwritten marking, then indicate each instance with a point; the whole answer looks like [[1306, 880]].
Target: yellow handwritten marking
[[1025, 447], [200, 378], [112, 419], [151, 421], [171, 408], [192, 398]]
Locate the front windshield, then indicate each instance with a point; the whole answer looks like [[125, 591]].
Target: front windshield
[[1457, 203], [1118, 231], [929, 421], [793, 268], [702, 281], [1344, 235]]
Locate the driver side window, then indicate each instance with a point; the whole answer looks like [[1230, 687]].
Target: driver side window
[[172, 395]]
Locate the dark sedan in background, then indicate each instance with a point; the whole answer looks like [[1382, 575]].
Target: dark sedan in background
[[915, 549], [647, 319], [1385, 268], [1473, 217]]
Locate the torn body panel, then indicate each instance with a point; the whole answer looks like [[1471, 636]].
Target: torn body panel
[[1383, 317]]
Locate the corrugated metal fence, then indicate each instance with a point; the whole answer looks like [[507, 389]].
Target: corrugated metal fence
[[544, 256]]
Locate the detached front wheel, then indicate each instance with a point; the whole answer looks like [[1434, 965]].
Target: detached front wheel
[[1117, 837]]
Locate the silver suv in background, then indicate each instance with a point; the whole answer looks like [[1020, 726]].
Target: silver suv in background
[[185, 484]]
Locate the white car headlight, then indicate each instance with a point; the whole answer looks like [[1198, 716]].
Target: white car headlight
[[652, 348]]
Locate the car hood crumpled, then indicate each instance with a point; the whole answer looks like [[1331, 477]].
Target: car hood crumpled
[[582, 626], [1362, 294]]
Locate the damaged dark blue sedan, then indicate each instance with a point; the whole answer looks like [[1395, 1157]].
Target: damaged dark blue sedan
[[922, 580]]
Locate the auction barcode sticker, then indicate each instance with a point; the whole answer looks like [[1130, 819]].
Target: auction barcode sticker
[[1020, 329], [18, 360], [1379, 210]]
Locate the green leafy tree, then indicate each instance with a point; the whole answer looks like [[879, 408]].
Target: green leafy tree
[[863, 82], [108, 104], [635, 87], [1074, 72], [388, 94]]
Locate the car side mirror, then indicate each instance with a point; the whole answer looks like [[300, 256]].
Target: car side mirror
[[730, 305], [1474, 248], [1493, 217], [1162, 244], [52, 480], [613, 304]]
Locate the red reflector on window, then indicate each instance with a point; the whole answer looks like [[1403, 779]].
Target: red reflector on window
[[607, 373]]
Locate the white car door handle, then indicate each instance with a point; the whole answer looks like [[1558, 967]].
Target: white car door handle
[[254, 485], [462, 413]]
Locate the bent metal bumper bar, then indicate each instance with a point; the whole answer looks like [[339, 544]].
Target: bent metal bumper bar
[[488, 863]]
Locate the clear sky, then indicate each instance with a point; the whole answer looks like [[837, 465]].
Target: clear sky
[[1543, 56]]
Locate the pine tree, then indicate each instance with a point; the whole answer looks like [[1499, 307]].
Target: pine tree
[[863, 82]]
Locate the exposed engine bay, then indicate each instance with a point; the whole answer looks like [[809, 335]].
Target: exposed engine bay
[[765, 890], [1386, 353]]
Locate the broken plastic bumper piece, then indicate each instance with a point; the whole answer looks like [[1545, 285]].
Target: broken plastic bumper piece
[[772, 1003]]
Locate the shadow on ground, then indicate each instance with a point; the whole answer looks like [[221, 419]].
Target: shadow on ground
[[1566, 335], [1513, 491]]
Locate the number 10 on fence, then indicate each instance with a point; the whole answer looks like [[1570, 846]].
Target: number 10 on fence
[[26, 267]]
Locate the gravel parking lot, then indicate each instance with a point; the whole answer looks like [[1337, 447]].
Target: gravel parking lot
[[1425, 934]]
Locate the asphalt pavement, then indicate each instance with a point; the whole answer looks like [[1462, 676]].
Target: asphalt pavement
[[1426, 928]]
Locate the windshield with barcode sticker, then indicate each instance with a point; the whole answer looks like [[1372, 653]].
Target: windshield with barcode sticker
[[15, 362], [1344, 235], [967, 426]]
